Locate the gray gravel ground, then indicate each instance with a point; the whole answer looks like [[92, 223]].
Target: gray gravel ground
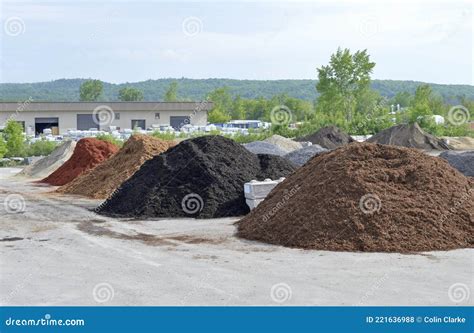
[[55, 251]]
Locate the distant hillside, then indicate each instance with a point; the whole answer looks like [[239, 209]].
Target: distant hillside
[[197, 89]]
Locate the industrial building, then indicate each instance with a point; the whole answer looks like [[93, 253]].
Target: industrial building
[[63, 116]]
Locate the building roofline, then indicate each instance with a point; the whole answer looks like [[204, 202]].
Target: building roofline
[[116, 106]]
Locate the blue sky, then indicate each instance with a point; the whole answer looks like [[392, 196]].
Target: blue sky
[[128, 41]]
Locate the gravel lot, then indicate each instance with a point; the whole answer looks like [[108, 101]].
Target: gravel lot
[[56, 251]]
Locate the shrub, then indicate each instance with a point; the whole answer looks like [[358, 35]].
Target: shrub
[[3, 146], [110, 138], [13, 133], [41, 147], [167, 136]]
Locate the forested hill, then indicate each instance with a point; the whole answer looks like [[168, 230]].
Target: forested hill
[[197, 89]]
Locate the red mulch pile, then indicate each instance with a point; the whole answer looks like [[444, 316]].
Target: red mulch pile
[[368, 197], [89, 152]]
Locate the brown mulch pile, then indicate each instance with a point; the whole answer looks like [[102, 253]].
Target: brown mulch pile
[[89, 153], [102, 181], [368, 197]]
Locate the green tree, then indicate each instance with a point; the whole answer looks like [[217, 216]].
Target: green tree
[[238, 108], [171, 94], [343, 81], [222, 105], [403, 98], [128, 94], [3, 147], [15, 140], [91, 90], [217, 116], [420, 107]]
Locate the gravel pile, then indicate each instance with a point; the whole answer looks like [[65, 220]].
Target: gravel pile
[[464, 162], [262, 147], [202, 177], [329, 137], [303, 155], [409, 135], [367, 197], [285, 144], [48, 164]]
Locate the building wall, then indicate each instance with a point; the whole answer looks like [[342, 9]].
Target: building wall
[[68, 119]]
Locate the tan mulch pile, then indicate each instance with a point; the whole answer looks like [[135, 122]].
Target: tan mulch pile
[[101, 182]]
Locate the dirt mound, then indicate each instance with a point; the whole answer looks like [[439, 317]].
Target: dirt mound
[[464, 162], [89, 152], [286, 144], [409, 135], [48, 164], [368, 197], [329, 137], [262, 147], [301, 156], [103, 180], [201, 177]]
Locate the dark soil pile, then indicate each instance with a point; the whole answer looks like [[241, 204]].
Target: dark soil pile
[[368, 197], [412, 136], [103, 180], [201, 177], [329, 137], [89, 152], [464, 162]]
